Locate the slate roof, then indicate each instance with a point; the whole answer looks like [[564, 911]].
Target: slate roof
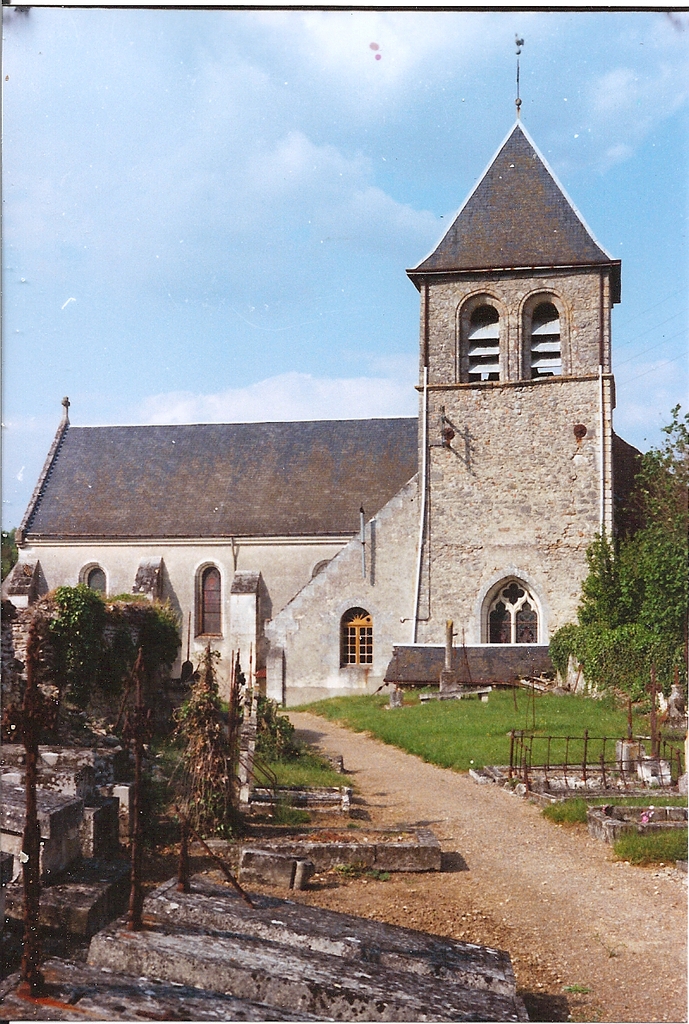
[[517, 216], [221, 479]]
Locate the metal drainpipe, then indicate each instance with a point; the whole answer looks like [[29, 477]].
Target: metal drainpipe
[[424, 488]]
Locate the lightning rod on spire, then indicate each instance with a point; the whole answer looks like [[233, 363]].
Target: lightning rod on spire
[[518, 103]]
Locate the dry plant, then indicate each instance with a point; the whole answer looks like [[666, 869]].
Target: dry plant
[[208, 766]]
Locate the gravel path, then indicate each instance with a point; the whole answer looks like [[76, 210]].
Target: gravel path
[[551, 895]]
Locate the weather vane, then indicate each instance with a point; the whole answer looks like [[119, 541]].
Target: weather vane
[[519, 42]]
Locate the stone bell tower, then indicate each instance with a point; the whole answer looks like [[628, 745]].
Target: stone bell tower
[[515, 438]]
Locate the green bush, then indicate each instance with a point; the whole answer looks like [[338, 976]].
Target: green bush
[[95, 643], [275, 733]]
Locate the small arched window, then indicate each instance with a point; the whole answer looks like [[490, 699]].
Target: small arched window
[[209, 606], [546, 352], [484, 344], [512, 616], [95, 580], [356, 638]]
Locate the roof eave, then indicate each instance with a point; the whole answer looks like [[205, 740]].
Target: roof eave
[[417, 275]]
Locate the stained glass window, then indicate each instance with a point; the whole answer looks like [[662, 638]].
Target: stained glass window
[[512, 615], [527, 625], [500, 625], [209, 617]]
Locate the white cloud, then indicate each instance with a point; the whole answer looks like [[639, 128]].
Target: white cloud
[[289, 396]]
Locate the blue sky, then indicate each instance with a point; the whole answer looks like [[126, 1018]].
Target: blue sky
[[208, 215]]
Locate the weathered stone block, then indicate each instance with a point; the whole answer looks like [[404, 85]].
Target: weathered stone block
[[103, 995], [217, 908], [59, 819], [85, 900], [304, 982], [99, 829], [266, 868]]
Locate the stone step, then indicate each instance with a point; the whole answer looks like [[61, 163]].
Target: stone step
[[217, 908], [77, 991], [85, 900], [301, 981]]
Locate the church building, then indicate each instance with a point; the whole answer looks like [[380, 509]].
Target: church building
[[334, 552]]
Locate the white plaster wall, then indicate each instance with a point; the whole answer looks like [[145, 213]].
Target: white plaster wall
[[244, 627], [304, 657], [286, 566]]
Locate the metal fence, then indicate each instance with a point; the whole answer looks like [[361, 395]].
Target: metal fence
[[593, 760]]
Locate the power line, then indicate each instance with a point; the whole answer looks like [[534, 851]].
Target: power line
[[653, 369], [651, 328], [649, 349], [648, 309]]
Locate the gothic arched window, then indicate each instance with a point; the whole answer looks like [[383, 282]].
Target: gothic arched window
[[512, 615], [95, 580], [209, 604], [546, 353], [356, 638], [483, 346]]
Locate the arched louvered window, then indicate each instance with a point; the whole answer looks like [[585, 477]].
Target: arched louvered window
[[484, 344], [209, 605], [546, 352], [356, 638], [512, 615], [95, 580]]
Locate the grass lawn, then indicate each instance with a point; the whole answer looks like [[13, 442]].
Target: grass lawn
[[307, 770], [653, 848], [570, 812], [463, 734]]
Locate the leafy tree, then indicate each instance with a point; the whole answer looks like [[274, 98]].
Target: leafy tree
[[9, 551], [633, 609]]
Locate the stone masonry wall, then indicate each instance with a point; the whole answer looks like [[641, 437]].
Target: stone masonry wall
[[581, 297], [304, 657], [517, 494]]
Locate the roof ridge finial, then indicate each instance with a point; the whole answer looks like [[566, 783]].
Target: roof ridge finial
[[65, 406], [518, 103]]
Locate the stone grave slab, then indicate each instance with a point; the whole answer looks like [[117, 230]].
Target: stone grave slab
[[84, 900], [384, 850], [59, 819], [77, 991], [217, 908], [305, 982]]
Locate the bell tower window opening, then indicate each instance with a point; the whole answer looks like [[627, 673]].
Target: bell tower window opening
[[356, 638], [512, 616], [484, 344], [209, 609], [546, 352]]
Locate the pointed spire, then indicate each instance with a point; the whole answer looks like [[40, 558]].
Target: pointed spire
[[517, 216]]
